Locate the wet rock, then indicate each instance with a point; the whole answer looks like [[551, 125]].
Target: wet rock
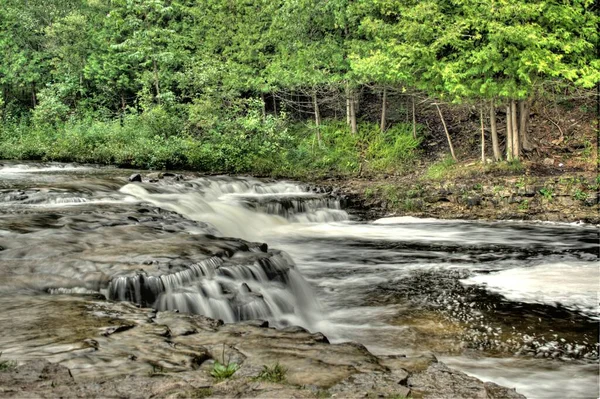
[[439, 381], [473, 201], [496, 391], [136, 177], [257, 323], [370, 385], [38, 373], [413, 364]]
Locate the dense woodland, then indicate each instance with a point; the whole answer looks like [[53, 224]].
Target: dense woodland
[[278, 86]]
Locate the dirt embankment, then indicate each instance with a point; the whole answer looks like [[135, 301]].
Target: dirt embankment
[[533, 194]]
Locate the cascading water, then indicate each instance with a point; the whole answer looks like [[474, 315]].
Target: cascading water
[[488, 298]]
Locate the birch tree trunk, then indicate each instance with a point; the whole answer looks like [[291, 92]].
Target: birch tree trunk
[[264, 106], [482, 136], [509, 134], [383, 110], [348, 117], [353, 125], [414, 118], [156, 83], [516, 147], [317, 116], [446, 131], [494, 132]]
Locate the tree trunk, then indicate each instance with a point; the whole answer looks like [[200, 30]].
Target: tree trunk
[[156, 83], [317, 116], [348, 117], [274, 104], [33, 96], [353, 125], [123, 103], [494, 132], [383, 110], [446, 131], [509, 134], [523, 125], [516, 147], [264, 106], [316, 108], [414, 118], [482, 136]]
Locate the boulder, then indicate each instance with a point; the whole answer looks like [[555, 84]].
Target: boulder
[[136, 177]]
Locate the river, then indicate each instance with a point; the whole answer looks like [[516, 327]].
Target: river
[[511, 302]]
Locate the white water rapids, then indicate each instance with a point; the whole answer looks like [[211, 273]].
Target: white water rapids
[[515, 303]]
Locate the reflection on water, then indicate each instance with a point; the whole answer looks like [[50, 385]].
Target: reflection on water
[[515, 303]]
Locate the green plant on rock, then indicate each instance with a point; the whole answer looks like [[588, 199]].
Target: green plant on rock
[[547, 193], [520, 183], [222, 371], [7, 365], [274, 373], [524, 205], [580, 195]]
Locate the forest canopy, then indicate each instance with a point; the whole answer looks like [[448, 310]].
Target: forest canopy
[[215, 80]]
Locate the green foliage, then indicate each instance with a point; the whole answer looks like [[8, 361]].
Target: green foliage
[[440, 169], [391, 150], [162, 83], [520, 183], [7, 365], [222, 371], [524, 205], [547, 193], [275, 373], [580, 195]]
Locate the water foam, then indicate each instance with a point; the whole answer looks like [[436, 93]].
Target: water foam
[[574, 285]]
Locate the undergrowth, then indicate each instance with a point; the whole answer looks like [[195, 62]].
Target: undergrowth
[[245, 143]]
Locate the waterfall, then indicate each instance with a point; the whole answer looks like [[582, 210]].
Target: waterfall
[[235, 285]]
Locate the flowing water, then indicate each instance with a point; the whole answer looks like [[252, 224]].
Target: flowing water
[[514, 303]]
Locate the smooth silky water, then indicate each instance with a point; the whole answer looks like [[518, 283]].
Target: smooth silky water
[[511, 302]]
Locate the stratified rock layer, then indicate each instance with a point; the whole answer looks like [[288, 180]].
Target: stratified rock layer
[[108, 349]]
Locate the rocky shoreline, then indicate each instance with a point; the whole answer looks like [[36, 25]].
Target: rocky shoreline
[[565, 198], [120, 350]]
